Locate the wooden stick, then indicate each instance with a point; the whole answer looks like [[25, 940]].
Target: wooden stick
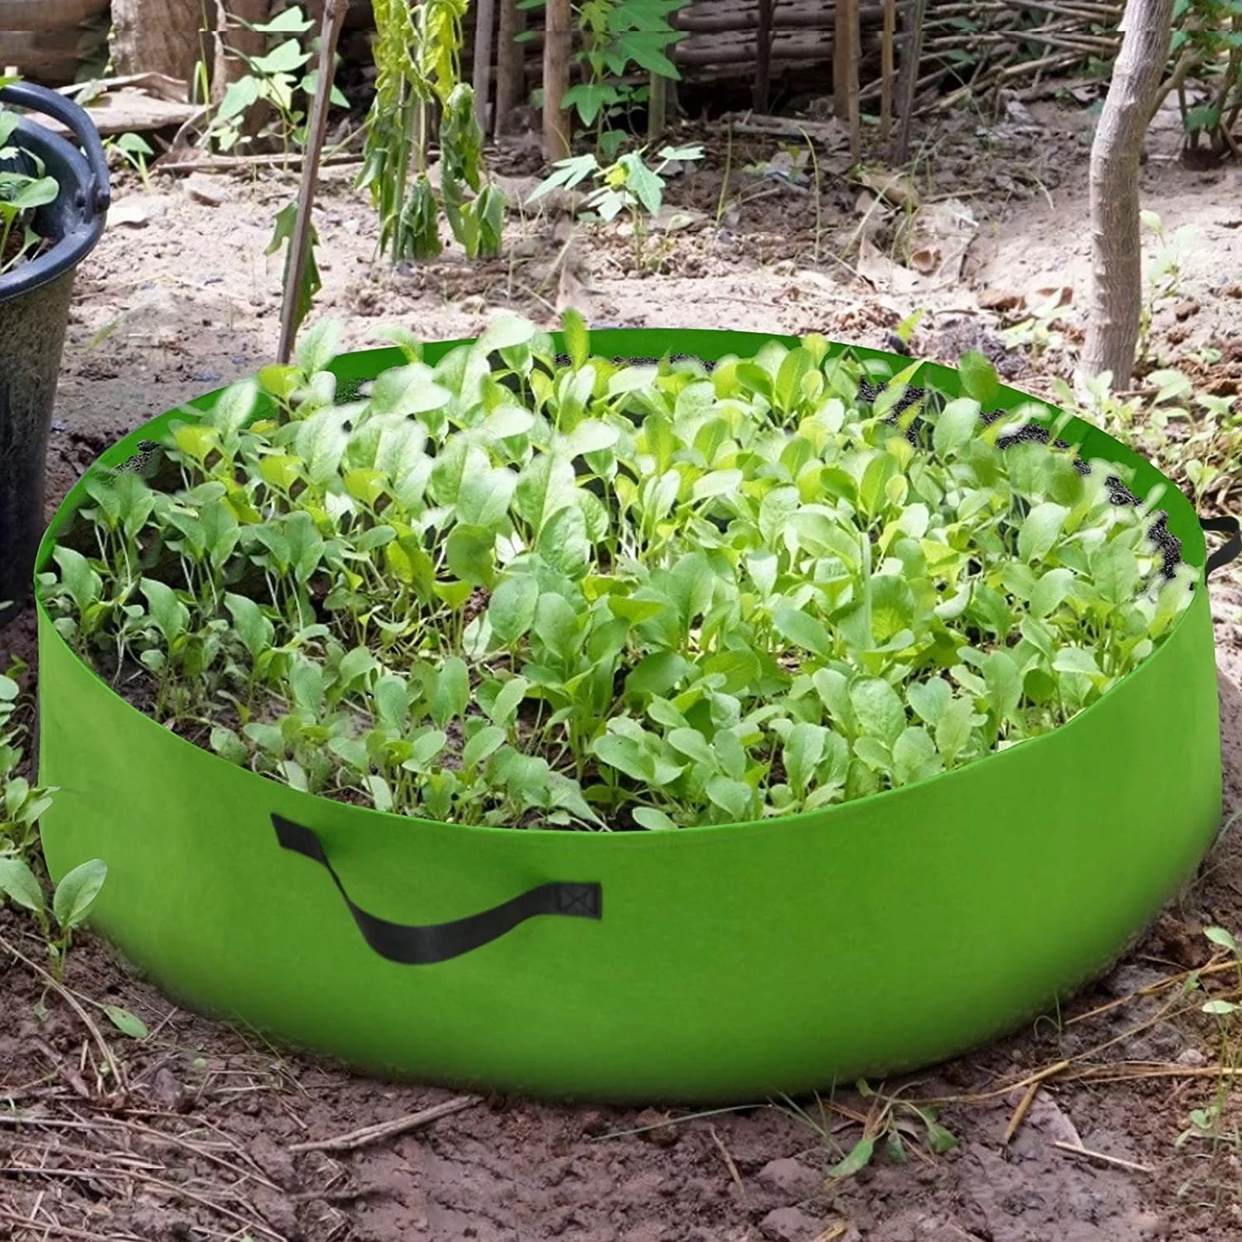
[[1024, 1105], [763, 54], [911, 54], [389, 1129], [237, 163], [886, 71], [1074, 1150], [330, 32]]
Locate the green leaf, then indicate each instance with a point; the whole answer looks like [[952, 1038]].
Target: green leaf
[[511, 610], [1040, 530], [483, 498], [856, 1159], [1076, 660], [76, 892], [577, 337], [506, 332], [979, 379], [20, 885], [1004, 683], [481, 746], [879, 709], [734, 797], [126, 1022], [564, 544], [804, 748], [649, 817], [802, 630], [1221, 937], [929, 698], [508, 698], [470, 552], [956, 426], [309, 281], [452, 691]]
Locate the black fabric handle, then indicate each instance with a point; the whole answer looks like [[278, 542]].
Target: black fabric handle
[[1230, 549], [438, 942]]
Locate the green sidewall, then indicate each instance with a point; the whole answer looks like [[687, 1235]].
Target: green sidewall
[[731, 962]]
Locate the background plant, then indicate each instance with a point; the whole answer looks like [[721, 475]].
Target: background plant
[[21, 805], [417, 55], [629, 185], [134, 150], [279, 78], [506, 589], [618, 38], [1207, 47]]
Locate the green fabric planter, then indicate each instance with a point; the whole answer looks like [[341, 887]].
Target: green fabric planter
[[706, 964]]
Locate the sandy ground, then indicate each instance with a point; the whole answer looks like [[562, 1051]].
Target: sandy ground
[[180, 298]]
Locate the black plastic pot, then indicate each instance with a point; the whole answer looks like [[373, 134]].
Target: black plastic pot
[[34, 313]]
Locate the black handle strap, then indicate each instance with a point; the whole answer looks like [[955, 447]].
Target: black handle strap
[[1230, 549], [437, 942]]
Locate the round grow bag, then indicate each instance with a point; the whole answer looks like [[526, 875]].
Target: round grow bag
[[34, 316], [712, 963]]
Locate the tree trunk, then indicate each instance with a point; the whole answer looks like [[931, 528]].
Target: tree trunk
[[232, 37], [1116, 244], [159, 36], [510, 63], [485, 27], [556, 51]]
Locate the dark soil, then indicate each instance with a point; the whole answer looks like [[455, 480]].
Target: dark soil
[[1068, 1131]]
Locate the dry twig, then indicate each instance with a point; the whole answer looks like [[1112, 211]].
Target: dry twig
[[388, 1129]]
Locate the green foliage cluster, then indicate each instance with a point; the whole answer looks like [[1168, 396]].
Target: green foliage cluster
[[512, 588], [21, 193], [21, 804], [1207, 47], [280, 77], [417, 56], [619, 37]]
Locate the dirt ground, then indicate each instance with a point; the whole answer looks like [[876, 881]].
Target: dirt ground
[[1068, 1131]]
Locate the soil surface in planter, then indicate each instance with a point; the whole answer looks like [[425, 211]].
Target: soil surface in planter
[[206, 1140]]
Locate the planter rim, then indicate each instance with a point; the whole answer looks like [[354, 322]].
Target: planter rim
[[1194, 556]]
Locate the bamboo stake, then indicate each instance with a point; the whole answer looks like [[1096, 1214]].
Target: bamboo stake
[[299, 245]]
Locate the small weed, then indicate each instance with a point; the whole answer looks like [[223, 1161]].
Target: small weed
[[891, 1125], [1211, 1134], [135, 150], [630, 185]]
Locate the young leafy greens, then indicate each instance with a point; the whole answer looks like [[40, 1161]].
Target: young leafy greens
[[512, 589], [23, 189]]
